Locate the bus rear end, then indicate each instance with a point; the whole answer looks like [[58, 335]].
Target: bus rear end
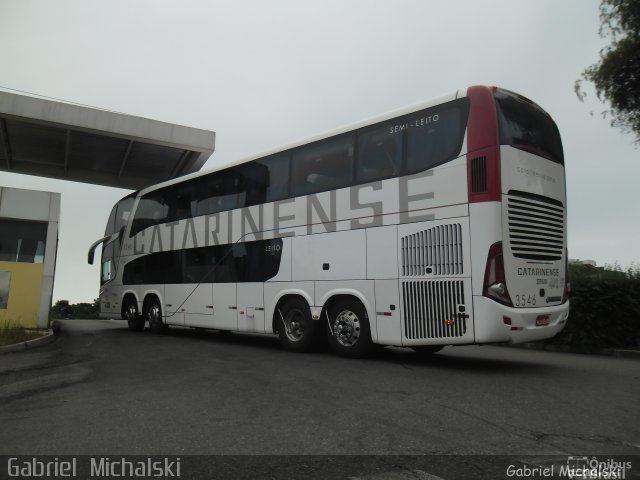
[[517, 202]]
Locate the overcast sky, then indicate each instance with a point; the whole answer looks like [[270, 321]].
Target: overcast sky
[[266, 73]]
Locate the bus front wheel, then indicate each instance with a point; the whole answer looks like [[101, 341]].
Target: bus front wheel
[[154, 316], [134, 320], [348, 329], [296, 329]]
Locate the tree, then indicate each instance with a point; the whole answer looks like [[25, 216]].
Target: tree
[[60, 309], [616, 76]]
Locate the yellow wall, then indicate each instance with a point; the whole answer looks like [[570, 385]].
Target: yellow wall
[[25, 290]]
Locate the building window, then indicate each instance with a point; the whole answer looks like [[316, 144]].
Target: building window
[[22, 241]]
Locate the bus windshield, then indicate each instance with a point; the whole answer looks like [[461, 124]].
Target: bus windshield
[[526, 126]]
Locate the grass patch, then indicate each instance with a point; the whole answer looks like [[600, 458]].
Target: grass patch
[[12, 332]]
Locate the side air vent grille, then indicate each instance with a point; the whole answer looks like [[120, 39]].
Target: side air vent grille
[[536, 227], [436, 251], [434, 309], [479, 175]]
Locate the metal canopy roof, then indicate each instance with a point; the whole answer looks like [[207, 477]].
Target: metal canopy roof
[[71, 142]]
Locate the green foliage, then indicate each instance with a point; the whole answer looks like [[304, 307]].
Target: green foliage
[[605, 309], [62, 309], [616, 76]]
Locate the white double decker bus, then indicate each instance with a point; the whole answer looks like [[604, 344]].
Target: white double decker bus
[[441, 224]]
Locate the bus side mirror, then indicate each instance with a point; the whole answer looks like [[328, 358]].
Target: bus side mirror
[[92, 248]]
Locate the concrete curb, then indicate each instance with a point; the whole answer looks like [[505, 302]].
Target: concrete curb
[[29, 344], [611, 352]]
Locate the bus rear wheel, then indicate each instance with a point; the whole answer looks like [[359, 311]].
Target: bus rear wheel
[[154, 316], [135, 322], [348, 329], [296, 328]]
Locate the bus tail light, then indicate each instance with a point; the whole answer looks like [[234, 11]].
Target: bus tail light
[[495, 282]]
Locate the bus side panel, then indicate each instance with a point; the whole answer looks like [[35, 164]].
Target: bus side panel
[[110, 297], [174, 299], [486, 229], [382, 248], [388, 312], [225, 306], [284, 272], [251, 307], [189, 303], [382, 265], [330, 256], [198, 304]]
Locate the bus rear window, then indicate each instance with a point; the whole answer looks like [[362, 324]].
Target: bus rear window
[[526, 126]]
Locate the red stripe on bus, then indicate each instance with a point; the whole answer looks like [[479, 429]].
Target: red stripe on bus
[[483, 141]]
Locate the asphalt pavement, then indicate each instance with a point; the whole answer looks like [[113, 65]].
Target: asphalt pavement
[[100, 389]]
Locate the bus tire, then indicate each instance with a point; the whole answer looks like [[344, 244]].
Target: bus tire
[[296, 329], [348, 329], [135, 321], [154, 316]]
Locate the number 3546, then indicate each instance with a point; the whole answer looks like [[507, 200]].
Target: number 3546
[[525, 300]]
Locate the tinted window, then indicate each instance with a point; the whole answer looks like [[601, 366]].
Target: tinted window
[[277, 176], [198, 265], [117, 221], [219, 191], [526, 126], [321, 166], [165, 267], [379, 153], [107, 252], [106, 274], [111, 221], [22, 241], [124, 212], [407, 144], [246, 262], [181, 200], [157, 268], [435, 135], [151, 210], [254, 181], [257, 261]]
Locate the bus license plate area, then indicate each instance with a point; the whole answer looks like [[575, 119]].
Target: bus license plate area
[[542, 320]]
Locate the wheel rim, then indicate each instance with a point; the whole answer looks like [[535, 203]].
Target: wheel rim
[[294, 325], [346, 328], [154, 315], [131, 312]]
